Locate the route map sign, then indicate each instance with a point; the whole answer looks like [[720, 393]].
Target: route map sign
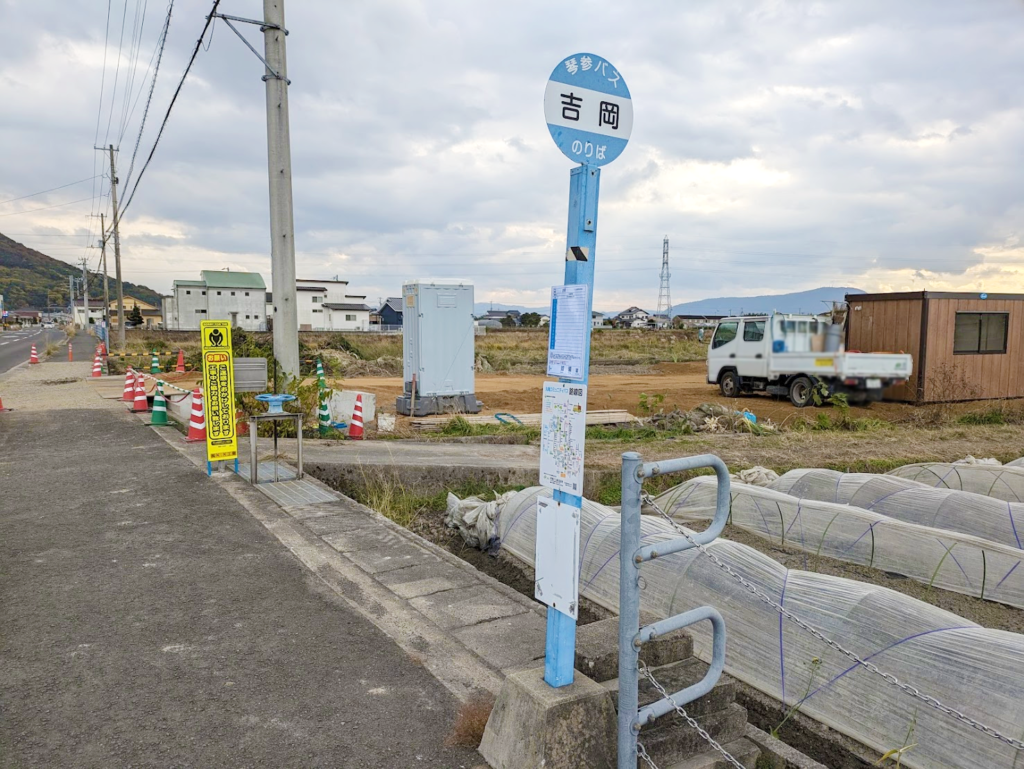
[[588, 109], [218, 390], [562, 436]]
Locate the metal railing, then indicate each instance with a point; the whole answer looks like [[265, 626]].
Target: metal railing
[[631, 636]]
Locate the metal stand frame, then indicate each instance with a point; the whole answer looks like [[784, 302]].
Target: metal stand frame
[[254, 467], [631, 636]]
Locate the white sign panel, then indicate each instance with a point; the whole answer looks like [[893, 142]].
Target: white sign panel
[[557, 561], [567, 340], [562, 437]]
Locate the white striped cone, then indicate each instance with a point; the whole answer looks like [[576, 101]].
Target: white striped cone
[[355, 430], [140, 403], [129, 386], [97, 365], [33, 355], [197, 422]]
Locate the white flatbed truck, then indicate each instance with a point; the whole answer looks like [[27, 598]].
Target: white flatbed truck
[[792, 356]]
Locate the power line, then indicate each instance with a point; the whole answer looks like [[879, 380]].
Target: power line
[[52, 189], [152, 86], [174, 98], [44, 208], [117, 72]]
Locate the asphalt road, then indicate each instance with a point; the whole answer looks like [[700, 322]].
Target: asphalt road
[[148, 620], [15, 346]]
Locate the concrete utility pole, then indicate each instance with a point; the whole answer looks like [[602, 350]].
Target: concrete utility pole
[[106, 282], [71, 297], [117, 255], [282, 223], [85, 291]]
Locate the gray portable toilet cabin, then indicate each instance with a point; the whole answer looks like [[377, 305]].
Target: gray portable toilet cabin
[[438, 348]]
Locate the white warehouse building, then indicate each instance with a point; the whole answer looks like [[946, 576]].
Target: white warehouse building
[[242, 298], [239, 297]]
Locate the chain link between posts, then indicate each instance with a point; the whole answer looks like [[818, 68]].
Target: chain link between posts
[[646, 673], [144, 375], [887, 677]]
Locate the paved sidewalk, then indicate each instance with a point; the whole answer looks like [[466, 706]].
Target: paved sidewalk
[[148, 619]]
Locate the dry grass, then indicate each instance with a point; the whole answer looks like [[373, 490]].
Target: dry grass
[[468, 729], [870, 451], [503, 349]]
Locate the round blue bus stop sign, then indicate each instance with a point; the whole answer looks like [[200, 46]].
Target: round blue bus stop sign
[[588, 109]]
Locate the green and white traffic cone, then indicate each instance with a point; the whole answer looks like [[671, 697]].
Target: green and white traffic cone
[[320, 378], [325, 416], [159, 406], [154, 364]]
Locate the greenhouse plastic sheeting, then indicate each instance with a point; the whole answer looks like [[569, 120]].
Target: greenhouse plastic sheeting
[[907, 500], [1004, 482], [973, 669], [945, 559]]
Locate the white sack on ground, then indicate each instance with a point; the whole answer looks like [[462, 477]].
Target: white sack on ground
[[973, 669], [945, 559], [756, 476], [969, 460], [1004, 482], [913, 502], [474, 518]]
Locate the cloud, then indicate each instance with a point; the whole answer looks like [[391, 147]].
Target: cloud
[[779, 145]]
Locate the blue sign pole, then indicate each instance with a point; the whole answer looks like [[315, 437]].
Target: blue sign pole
[[584, 185], [589, 113]]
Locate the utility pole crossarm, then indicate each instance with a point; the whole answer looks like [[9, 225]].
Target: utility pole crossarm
[[264, 28]]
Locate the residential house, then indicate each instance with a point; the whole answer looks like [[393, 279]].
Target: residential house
[[391, 312], [95, 312], [634, 317], [152, 316], [500, 315], [326, 305]]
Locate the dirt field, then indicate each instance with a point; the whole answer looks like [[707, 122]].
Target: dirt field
[[683, 386]]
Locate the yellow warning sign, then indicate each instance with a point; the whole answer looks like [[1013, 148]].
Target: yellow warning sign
[[218, 390]]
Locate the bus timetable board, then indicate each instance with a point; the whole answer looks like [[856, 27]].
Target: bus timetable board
[[218, 390]]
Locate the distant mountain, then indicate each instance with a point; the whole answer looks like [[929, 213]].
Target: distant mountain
[[29, 278], [813, 301]]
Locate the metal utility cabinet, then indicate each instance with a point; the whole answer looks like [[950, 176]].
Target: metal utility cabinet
[[439, 349]]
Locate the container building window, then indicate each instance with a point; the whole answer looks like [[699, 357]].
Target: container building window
[[980, 333]]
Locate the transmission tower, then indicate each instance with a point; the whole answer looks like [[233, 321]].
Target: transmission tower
[[664, 313]]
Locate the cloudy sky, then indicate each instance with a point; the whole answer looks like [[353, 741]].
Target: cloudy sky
[[779, 145]]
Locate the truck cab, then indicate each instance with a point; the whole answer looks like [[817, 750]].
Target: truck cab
[[796, 356]]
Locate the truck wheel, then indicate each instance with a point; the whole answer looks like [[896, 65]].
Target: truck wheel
[[800, 390], [729, 384]]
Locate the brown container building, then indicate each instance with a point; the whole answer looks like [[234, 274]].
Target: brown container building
[[966, 346]]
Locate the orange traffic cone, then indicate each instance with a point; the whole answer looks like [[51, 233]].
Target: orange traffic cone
[[140, 403], [97, 366], [355, 429], [2, 406], [33, 356], [70, 356], [180, 368], [129, 386], [197, 422]]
